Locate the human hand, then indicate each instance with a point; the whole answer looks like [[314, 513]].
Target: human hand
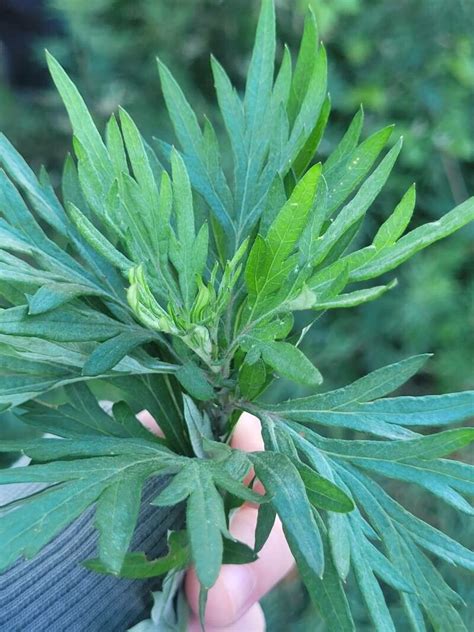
[[233, 602]]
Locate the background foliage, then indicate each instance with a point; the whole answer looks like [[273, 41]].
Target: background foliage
[[410, 62]]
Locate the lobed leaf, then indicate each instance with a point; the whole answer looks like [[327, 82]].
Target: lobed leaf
[[286, 359], [138, 566], [288, 496], [419, 238]]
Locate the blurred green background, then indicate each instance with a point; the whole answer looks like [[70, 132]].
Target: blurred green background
[[410, 62]]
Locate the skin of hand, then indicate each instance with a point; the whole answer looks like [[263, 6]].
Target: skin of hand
[[233, 601]]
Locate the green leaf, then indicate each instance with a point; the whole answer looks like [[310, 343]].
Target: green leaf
[[329, 597], [286, 359], [230, 107], [252, 378], [276, 200], [108, 354], [304, 63], [184, 120], [308, 151], [358, 206], [369, 587], [288, 225], [384, 417], [265, 268], [115, 518], [35, 521], [328, 593], [374, 385], [288, 496], [432, 410], [423, 473], [344, 175], [398, 531], [260, 73], [54, 295], [63, 324], [429, 447], [80, 417], [157, 395], [53, 450], [170, 611], [456, 473], [412, 527], [265, 521], [177, 490], [348, 142], [339, 542], [193, 380], [223, 479], [65, 321], [23, 225], [256, 262], [353, 299], [438, 600], [205, 516], [81, 121], [275, 438], [198, 426], [381, 566], [236, 552], [183, 201], [187, 129], [344, 407], [416, 240], [205, 520], [408, 460], [138, 566], [189, 253], [44, 202], [281, 90], [25, 531], [309, 113], [130, 425], [396, 224], [115, 147], [203, 593], [95, 238], [322, 493], [140, 165]]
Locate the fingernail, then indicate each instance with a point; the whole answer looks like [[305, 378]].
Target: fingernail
[[240, 582]]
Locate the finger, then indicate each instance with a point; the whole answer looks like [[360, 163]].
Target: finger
[[150, 424], [238, 587], [247, 436], [144, 417], [252, 621]]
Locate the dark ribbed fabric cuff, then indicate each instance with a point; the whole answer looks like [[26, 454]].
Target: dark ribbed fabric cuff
[[54, 593]]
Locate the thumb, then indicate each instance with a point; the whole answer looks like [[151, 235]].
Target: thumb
[[239, 587]]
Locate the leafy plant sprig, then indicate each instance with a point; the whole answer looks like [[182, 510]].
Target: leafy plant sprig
[[175, 280]]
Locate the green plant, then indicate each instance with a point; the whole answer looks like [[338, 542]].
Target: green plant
[[214, 266], [423, 84]]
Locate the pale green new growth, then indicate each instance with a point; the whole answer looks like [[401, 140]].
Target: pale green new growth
[[174, 279]]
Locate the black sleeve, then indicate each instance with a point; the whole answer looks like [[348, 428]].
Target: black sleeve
[[54, 593]]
